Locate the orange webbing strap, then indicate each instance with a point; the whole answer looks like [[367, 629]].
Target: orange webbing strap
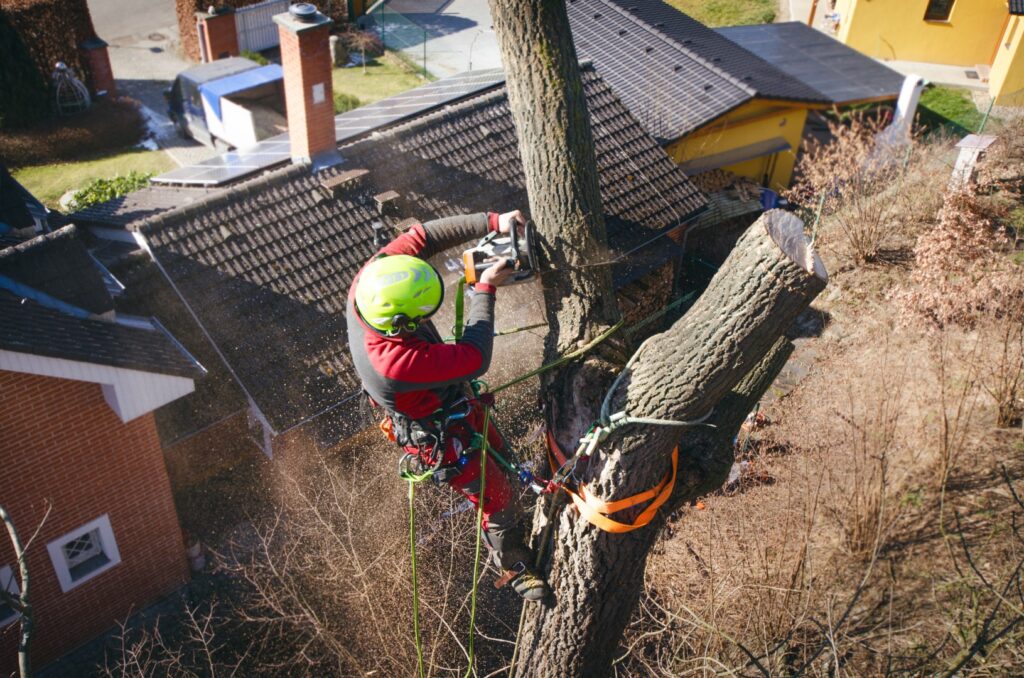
[[596, 511]]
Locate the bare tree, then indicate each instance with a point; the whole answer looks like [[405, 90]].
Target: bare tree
[[701, 365], [20, 603]]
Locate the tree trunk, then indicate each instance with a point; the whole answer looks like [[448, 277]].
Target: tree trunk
[[546, 97], [732, 332], [679, 375], [21, 604]]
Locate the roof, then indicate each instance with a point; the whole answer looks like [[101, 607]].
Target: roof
[[839, 72], [266, 265], [57, 264], [673, 72], [17, 206], [137, 205], [30, 327]]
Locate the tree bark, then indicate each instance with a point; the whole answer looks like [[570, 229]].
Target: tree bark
[[679, 375], [546, 97], [701, 362], [21, 604]]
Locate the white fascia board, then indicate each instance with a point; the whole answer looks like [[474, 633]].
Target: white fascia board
[[110, 233], [130, 393]]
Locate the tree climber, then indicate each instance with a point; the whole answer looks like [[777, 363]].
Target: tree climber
[[422, 382]]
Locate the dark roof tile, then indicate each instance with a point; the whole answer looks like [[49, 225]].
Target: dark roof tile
[[30, 327], [273, 295]]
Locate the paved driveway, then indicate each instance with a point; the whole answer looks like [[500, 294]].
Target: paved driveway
[[458, 32], [145, 56]]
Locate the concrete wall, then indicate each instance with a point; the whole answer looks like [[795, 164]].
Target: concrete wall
[[1006, 80], [896, 29], [754, 122], [60, 442]]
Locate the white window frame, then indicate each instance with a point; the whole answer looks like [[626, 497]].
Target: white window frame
[[7, 576], [108, 545]]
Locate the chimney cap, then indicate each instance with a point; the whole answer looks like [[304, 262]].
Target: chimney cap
[[304, 11], [301, 17]]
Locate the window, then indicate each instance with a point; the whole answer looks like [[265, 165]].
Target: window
[[82, 554], [10, 584], [938, 10]]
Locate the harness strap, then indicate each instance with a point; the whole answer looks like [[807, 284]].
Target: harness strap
[[596, 510]]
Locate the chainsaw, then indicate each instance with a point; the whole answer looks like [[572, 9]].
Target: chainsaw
[[518, 249]]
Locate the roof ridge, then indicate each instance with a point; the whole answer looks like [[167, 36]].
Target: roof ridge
[[220, 198], [477, 100], [68, 231], [689, 52]]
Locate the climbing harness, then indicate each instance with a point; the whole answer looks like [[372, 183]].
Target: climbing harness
[[594, 510]]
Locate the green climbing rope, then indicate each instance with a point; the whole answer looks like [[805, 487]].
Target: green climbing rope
[[460, 306], [415, 581], [484, 445]]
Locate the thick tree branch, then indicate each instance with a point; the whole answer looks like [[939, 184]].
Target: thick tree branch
[[732, 332]]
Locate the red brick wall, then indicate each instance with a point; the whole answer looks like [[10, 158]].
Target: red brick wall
[[221, 36], [306, 60], [102, 79], [60, 441]]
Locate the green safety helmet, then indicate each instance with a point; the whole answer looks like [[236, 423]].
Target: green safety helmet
[[395, 293]]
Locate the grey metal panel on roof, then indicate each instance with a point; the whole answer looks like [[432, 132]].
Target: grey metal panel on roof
[[238, 164], [842, 73], [667, 88], [266, 264]]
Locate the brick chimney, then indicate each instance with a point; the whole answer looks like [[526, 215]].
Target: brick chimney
[[308, 92], [219, 33], [96, 57]]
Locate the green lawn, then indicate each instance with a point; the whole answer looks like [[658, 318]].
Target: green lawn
[[49, 182], [947, 105], [384, 77], [728, 12]]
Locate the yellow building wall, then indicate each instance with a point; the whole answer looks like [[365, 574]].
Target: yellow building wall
[[1006, 80], [896, 29], [754, 122]]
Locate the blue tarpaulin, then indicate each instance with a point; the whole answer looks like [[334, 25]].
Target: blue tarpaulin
[[214, 90]]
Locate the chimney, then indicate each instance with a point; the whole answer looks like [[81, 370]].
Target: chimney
[[218, 34], [306, 60], [97, 59]]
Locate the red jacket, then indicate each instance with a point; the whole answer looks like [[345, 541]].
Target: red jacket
[[416, 374]]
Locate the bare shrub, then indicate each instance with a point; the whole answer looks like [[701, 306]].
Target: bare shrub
[[328, 574], [961, 270], [857, 190], [200, 642], [966, 273], [1003, 372]]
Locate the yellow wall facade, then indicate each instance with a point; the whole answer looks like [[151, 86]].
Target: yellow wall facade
[[896, 29], [1006, 80], [754, 122]]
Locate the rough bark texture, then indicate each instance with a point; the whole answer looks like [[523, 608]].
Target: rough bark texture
[[553, 128], [699, 363]]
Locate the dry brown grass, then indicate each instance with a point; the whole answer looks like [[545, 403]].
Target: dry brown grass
[[889, 541]]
